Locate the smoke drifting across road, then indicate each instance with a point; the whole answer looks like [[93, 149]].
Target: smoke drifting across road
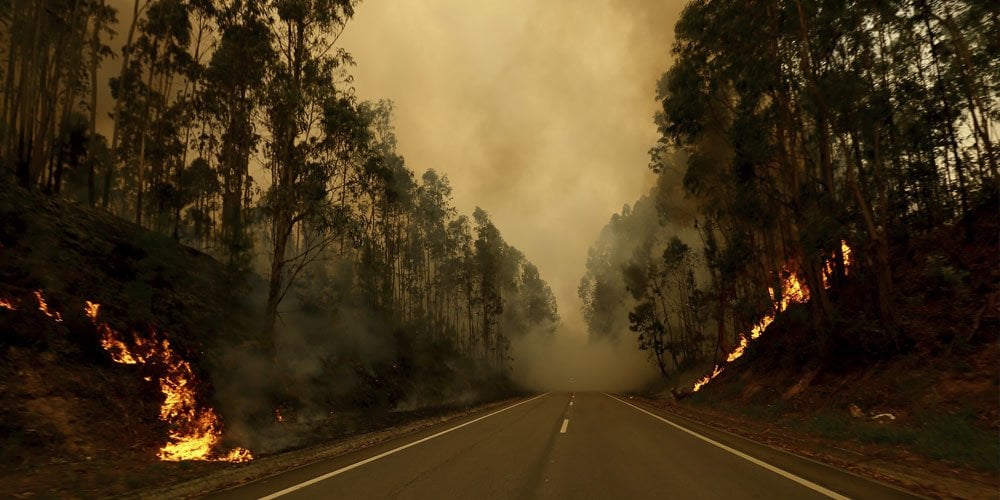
[[567, 361]]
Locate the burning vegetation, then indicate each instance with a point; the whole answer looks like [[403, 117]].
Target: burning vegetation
[[195, 430], [793, 291]]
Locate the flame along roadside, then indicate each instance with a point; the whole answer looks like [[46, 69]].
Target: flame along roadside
[[195, 430], [793, 292]]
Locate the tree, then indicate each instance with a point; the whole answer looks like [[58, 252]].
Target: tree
[[312, 126], [230, 96]]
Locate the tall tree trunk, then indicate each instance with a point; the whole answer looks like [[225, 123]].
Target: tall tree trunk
[[95, 58], [126, 56], [880, 242]]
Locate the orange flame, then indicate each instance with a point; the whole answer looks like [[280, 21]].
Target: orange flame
[[195, 431], [44, 307], [828, 267], [846, 251], [7, 304], [793, 292], [118, 350]]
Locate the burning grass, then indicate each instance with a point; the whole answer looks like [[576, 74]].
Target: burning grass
[[195, 431], [793, 291]]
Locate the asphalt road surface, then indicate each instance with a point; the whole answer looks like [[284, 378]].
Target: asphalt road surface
[[567, 446]]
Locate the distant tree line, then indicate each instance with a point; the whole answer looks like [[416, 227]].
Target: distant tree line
[[795, 126], [235, 129]]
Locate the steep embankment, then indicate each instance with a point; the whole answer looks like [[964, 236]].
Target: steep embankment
[[75, 421], [926, 396], [122, 351]]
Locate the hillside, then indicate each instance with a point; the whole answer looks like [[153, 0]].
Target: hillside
[[930, 403], [69, 409], [124, 351]]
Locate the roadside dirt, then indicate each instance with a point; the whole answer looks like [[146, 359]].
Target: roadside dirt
[[884, 463]]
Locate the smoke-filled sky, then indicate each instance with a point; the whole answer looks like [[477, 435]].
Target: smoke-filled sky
[[539, 111]]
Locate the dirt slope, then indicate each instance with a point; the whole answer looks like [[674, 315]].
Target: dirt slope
[[67, 411]]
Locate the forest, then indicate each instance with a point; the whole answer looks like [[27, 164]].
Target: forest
[[214, 256], [846, 149], [234, 129]]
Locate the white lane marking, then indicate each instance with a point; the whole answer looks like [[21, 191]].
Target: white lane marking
[[565, 425], [355, 465], [781, 472], [571, 403]]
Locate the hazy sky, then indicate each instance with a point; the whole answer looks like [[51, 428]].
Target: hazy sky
[[539, 111]]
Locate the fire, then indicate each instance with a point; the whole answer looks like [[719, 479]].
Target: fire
[[846, 251], [195, 431], [704, 380], [828, 267], [793, 292], [118, 350], [278, 417], [44, 307]]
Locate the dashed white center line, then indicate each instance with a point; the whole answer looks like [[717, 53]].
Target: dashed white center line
[[571, 403], [564, 426]]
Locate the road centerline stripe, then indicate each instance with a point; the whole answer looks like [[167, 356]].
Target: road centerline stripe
[[781, 472], [355, 465], [564, 426]]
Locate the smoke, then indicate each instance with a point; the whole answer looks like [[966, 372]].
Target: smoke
[[539, 112], [567, 361], [336, 363]]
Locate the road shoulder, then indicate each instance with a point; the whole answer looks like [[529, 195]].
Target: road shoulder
[[884, 467]]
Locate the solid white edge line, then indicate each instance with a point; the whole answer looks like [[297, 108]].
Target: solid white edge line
[[564, 426], [781, 472], [355, 465]]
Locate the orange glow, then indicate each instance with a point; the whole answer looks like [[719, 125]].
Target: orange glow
[[793, 292], [828, 267], [846, 250], [44, 307], [278, 417], [704, 380], [194, 431], [7, 304]]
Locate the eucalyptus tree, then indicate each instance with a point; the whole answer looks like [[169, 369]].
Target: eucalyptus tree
[[151, 106], [312, 126], [814, 122], [230, 94], [489, 249], [46, 71]]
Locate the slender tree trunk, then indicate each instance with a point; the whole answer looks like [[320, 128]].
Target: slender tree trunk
[[95, 58], [878, 240], [123, 88]]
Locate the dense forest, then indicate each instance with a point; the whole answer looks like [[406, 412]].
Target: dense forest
[[234, 129], [816, 145]]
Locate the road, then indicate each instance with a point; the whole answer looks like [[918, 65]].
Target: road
[[567, 446]]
